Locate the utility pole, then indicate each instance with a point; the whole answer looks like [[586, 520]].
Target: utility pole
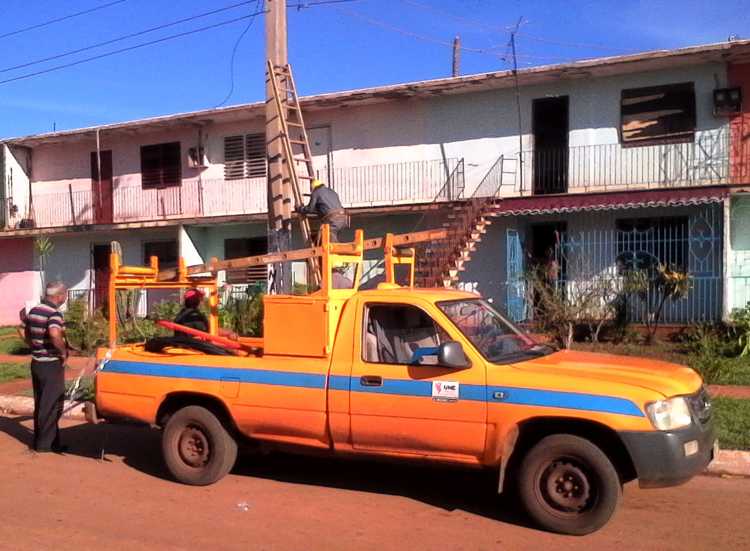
[[280, 199], [518, 104], [456, 56]]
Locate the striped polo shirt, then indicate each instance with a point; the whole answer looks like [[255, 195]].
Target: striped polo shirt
[[39, 320]]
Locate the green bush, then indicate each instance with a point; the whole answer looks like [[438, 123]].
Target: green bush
[[85, 331], [741, 328], [719, 370], [243, 315]]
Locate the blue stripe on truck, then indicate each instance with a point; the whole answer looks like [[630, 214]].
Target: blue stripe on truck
[[399, 387]]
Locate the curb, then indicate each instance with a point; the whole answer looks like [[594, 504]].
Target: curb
[[730, 463], [727, 462], [22, 405]]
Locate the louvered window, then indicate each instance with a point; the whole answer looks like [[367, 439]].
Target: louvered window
[[161, 165], [245, 156]]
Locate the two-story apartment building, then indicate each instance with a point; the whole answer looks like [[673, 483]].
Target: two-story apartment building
[[614, 162]]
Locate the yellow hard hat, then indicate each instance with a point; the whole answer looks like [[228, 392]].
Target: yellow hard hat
[[316, 184]]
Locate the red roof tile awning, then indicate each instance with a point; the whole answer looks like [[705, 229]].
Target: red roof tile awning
[[556, 204]]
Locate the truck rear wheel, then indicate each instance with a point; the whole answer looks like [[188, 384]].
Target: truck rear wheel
[[568, 485], [197, 448]]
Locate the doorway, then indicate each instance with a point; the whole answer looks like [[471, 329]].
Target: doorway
[[100, 255], [550, 128], [101, 187], [547, 250]]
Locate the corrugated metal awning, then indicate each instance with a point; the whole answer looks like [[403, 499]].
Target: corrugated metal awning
[[558, 204]]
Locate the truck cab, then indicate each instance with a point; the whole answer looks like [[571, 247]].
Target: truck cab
[[415, 374]]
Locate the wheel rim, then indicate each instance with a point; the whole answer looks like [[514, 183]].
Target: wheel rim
[[194, 446], [566, 487]]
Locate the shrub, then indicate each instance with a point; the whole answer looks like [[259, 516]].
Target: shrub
[[243, 315], [741, 326], [85, 331]]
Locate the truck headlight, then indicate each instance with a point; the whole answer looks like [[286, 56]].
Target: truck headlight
[[669, 414]]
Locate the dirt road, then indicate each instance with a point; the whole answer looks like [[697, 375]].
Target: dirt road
[[287, 502]]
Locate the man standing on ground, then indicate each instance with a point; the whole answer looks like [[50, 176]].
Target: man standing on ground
[[46, 338], [326, 205]]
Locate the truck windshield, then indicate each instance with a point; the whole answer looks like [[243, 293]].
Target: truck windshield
[[497, 339]]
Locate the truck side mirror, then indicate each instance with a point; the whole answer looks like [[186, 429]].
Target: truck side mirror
[[451, 354]]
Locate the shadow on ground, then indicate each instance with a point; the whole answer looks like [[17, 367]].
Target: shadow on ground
[[448, 488]]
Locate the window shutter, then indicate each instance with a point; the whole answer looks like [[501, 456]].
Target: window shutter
[[234, 158], [161, 165], [255, 148]]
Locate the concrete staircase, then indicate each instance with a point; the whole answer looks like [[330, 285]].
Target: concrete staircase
[[439, 263]]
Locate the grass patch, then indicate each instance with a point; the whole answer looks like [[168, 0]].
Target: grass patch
[[13, 371], [718, 370], [732, 422], [13, 346], [7, 330]]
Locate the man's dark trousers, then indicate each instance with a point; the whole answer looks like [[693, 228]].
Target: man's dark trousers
[[48, 379]]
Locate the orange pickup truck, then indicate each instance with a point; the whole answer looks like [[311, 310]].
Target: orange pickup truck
[[416, 374]]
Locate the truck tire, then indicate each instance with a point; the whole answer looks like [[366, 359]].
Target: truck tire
[[568, 485], [197, 449]]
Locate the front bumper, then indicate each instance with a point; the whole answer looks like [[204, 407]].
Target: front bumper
[[660, 457]]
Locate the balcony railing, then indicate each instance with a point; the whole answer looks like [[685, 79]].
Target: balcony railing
[[612, 167], [131, 203], [397, 183], [385, 184]]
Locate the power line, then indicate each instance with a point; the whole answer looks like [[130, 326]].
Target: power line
[[59, 19], [126, 36], [388, 26], [234, 53], [129, 48], [459, 18]]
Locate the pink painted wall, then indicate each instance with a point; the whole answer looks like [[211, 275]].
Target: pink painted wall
[[19, 281]]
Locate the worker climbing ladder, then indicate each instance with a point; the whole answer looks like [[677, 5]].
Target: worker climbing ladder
[[297, 158]]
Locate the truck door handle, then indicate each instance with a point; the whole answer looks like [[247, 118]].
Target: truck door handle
[[371, 380]]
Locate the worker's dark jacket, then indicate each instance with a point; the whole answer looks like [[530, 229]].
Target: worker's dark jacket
[[193, 318], [324, 203]]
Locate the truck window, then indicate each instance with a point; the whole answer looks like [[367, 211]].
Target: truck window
[[393, 332]]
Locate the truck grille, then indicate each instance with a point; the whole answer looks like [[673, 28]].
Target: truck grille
[[700, 405]]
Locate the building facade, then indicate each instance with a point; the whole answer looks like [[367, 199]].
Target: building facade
[[640, 158]]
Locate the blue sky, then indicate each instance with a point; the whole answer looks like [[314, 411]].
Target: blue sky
[[332, 47]]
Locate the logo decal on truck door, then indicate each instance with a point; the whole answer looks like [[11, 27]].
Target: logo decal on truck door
[[445, 391]]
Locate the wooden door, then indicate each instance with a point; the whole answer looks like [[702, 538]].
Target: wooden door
[[550, 126], [101, 274], [101, 187]]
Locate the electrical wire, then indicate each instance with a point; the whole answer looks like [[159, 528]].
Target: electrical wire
[[459, 18], [127, 36], [129, 48], [234, 53], [59, 19], [388, 26]]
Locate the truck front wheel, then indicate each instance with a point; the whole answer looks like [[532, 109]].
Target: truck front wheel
[[568, 485], [197, 448]]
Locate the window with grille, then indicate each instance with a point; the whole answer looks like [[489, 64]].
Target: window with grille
[[246, 246], [245, 156], [658, 114], [161, 165], [645, 243]]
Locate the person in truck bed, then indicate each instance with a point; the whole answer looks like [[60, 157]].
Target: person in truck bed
[[190, 314]]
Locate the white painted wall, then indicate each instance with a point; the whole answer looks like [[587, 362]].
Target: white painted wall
[[71, 260], [739, 253], [15, 181]]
